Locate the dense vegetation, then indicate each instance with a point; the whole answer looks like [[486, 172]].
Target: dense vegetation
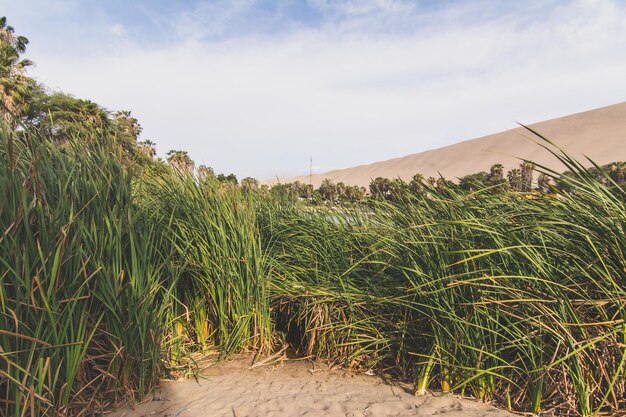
[[117, 268], [517, 179]]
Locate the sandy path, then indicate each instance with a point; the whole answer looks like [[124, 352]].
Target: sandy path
[[297, 388]]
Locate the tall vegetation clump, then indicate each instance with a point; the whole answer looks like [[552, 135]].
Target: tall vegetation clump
[[328, 286], [520, 297], [83, 283], [513, 297], [112, 273], [211, 231]]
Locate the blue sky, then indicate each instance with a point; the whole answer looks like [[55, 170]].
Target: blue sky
[[258, 87], [155, 21]]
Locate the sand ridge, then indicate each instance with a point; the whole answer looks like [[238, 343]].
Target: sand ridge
[[297, 388], [599, 134]]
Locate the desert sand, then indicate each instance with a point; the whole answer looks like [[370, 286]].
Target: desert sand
[[599, 134], [297, 388]]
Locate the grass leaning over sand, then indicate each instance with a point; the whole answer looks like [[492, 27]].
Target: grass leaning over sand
[[113, 276]]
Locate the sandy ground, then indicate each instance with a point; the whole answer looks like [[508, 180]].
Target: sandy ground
[[598, 134], [297, 388]]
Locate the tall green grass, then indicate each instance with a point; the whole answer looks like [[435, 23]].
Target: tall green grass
[[223, 292], [516, 298], [329, 287], [83, 292], [112, 276]]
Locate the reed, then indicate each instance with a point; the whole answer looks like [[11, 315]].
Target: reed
[[329, 289], [516, 298], [223, 292], [112, 275], [82, 296]]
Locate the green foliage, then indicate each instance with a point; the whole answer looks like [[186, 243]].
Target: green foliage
[[250, 184], [212, 235], [82, 291], [328, 190], [380, 187], [230, 178], [181, 162], [474, 182], [506, 298], [15, 88], [325, 305], [61, 117]]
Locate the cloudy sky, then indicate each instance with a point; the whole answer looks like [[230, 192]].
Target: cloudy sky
[[259, 87]]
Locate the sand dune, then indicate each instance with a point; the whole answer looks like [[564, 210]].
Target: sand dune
[[298, 388], [599, 134]]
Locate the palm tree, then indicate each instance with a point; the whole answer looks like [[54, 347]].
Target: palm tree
[[474, 182], [354, 193], [180, 161], [92, 116], [496, 178], [515, 179], [397, 189], [15, 87], [307, 191], [302, 190], [328, 190], [416, 185], [250, 184], [204, 173], [496, 172], [527, 169], [618, 172], [62, 116], [543, 183], [380, 187], [148, 148], [127, 127], [341, 190], [227, 179]]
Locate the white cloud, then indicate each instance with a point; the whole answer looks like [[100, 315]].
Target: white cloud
[[360, 7], [118, 30], [211, 19], [262, 105]]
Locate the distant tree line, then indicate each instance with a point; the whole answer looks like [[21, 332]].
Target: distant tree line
[[520, 179]]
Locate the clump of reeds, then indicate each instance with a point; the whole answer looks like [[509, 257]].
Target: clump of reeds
[[524, 293], [83, 292], [329, 289], [510, 297], [223, 292]]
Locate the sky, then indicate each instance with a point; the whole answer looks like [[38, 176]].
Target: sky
[[258, 88]]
